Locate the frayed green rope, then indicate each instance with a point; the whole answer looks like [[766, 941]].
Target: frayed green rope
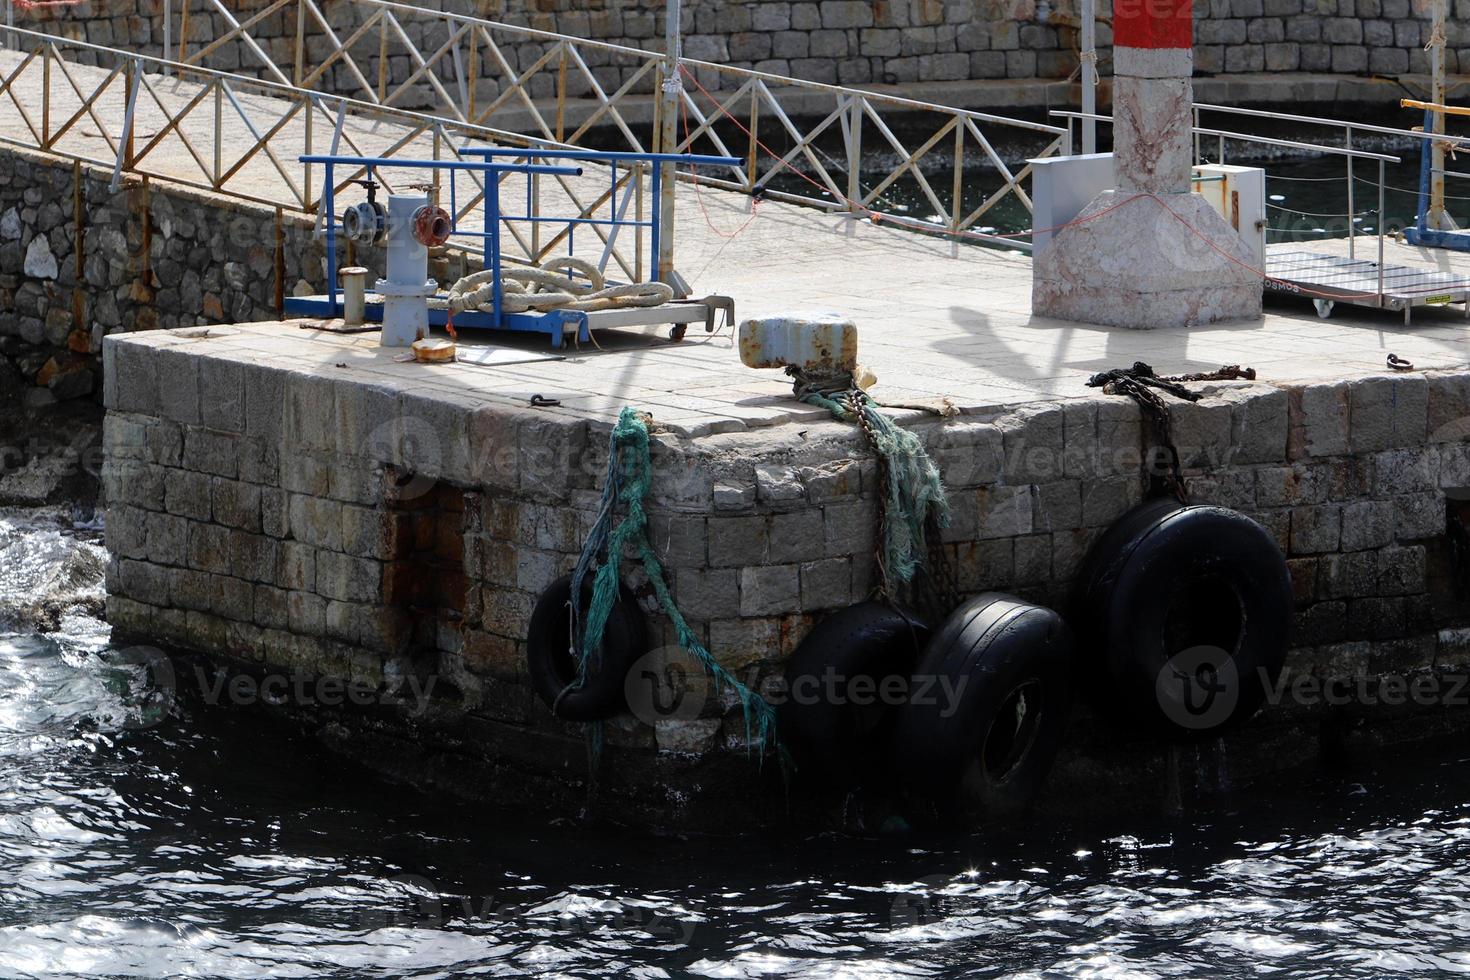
[[913, 489], [629, 478]]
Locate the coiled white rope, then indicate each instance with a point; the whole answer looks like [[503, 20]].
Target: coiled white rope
[[545, 289]]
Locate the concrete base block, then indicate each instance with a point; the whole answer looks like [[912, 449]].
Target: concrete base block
[[1136, 265]]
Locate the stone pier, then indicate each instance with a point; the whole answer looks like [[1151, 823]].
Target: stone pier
[[287, 499]]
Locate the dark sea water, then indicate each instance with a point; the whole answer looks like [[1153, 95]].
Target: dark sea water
[[215, 842]]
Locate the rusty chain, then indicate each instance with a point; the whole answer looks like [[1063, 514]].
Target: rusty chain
[[1143, 385]]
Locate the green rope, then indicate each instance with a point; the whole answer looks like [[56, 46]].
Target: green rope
[[629, 479], [913, 489]]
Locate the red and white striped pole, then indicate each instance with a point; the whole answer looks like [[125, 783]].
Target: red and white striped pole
[[1153, 63], [1149, 254]]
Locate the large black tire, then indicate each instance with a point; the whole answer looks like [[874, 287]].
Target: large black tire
[[989, 706], [1186, 613], [835, 741], [553, 668]]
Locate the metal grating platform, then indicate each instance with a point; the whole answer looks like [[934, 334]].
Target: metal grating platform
[[1330, 279]]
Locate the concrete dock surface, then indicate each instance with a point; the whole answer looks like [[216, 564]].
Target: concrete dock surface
[[938, 320]]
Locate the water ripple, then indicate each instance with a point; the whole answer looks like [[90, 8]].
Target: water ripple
[[221, 843]]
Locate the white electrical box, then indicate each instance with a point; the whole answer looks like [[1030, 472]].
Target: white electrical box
[[1061, 187], [1239, 194]]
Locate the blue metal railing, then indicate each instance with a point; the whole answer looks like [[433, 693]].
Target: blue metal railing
[[490, 234], [655, 162]]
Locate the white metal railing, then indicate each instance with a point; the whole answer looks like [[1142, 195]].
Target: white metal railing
[[1348, 128], [1348, 153]]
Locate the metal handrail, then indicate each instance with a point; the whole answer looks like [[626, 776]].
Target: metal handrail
[[282, 88], [1348, 128], [448, 81], [1296, 145], [784, 81], [1335, 123], [1382, 159], [654, 56], [1249, 138], [218, 163]]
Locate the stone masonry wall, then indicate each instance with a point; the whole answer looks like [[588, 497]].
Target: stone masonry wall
[[265, 510], [143, 257], [151, 255], [852, 42]]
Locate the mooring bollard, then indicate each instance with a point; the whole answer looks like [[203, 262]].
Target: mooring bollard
[[354, 295], [817, 343]]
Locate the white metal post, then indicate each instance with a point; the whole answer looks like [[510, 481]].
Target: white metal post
[[9, 22], [1088, 45], [1438, 218], [668, 138], [168, 34], [1352, 206]]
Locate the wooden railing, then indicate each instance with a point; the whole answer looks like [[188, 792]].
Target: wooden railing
[[566, 90], [230, 134]]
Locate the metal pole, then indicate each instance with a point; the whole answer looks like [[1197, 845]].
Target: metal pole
[[9, 22], [1381, 232], [168, 34], [1438, 218], [329, 206], [668, 138], [492, 222], [1352, 210], [125, 141], [1089, 74]]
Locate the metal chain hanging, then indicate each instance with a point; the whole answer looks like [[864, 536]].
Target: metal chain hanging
[[1143, 385]]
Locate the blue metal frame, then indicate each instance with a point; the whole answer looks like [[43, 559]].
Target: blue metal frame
[[612, 159], [553, 322], [490, 234], [1421, 233]]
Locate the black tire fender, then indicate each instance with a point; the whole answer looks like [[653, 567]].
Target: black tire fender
[[833, 740], [990, 703], [1188, 611], [553, 667]]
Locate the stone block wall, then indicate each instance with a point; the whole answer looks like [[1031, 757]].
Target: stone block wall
[[145, 256], [851, 42], [140, 257], [265, 509]]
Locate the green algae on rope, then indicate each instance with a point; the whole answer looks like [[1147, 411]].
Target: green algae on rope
[[913, 490], [629, 476]]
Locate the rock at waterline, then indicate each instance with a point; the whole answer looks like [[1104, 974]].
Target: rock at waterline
[[38, 482], [66, 379]]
